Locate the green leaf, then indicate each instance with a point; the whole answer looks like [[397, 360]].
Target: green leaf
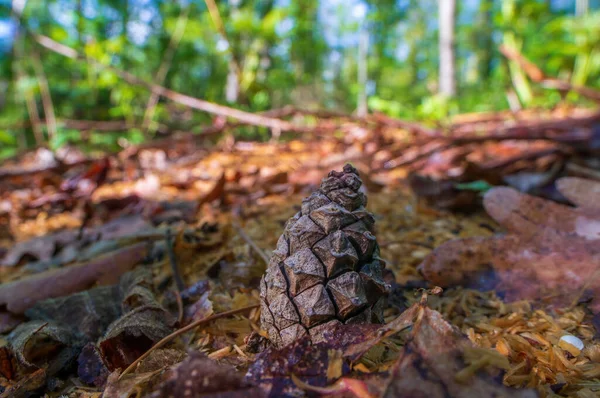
[[7, 138], [477, 186]]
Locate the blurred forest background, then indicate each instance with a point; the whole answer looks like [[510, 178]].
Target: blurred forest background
[[415, 60]]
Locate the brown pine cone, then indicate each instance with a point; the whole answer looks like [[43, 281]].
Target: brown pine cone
[[326, 267]]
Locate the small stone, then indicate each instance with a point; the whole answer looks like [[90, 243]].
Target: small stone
[[573, 345]]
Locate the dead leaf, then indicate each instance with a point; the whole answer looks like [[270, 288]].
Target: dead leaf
[[20, 295], [430, 361], [65, 244], [199, 376], [28, 383], [42, 248], [552, 257], [90, 366], [581, 191], [43, 345], [527, 215], [272, 369], [133, 334], [201, 309], [137, 384], [160, 359], [89, 312]]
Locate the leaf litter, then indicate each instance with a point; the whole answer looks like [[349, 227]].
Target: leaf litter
[[84, 304]]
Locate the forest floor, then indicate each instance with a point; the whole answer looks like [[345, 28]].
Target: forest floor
[[137, 273]]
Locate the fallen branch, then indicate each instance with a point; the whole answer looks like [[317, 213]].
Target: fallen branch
[[538, 76], [86, 125], [375, 118], [526, 130], [191, 102]]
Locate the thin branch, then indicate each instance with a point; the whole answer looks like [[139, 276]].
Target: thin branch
[[170, 243], [45, 93], [165, 65], [536, 75], [195, 103], [187, 328]]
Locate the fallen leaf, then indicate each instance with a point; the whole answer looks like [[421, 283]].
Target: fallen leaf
[[20, 295], [43, 345], [201, 309], [552, 255], [160, 359], [581, 191], [431, 360], [89, 312], [133, 334], [90, 366], [527, 215], [130, 385], [44, 248], [199, 376], [271, 370], [28, 383]]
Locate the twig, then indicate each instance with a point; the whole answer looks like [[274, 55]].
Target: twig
[[173, 261], [249, 241], [179, 307], [176, 333], [165, 65]]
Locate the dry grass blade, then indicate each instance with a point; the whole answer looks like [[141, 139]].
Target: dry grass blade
[[249, 241]]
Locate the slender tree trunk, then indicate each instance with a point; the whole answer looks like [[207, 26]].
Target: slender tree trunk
[[447, 11], [486, 41], [164, 67], [80, 21], [18, 50], [363, 44], [582, 7]]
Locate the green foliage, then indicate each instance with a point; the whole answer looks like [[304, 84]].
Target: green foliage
[[478, 186], [301, 52]]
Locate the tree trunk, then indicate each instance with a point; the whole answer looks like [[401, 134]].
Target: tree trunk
[[582, 7], [447, 11], [363, 44]]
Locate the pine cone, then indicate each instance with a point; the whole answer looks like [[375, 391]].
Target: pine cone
[[326, 268]]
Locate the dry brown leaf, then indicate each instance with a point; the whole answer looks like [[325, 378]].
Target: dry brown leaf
[[430, 363], [20, 295], [199, 376], [527, 215], [581, 191], [553, 256], [131, 385]]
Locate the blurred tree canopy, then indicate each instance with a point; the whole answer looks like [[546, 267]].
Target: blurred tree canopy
[[260, 55]]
